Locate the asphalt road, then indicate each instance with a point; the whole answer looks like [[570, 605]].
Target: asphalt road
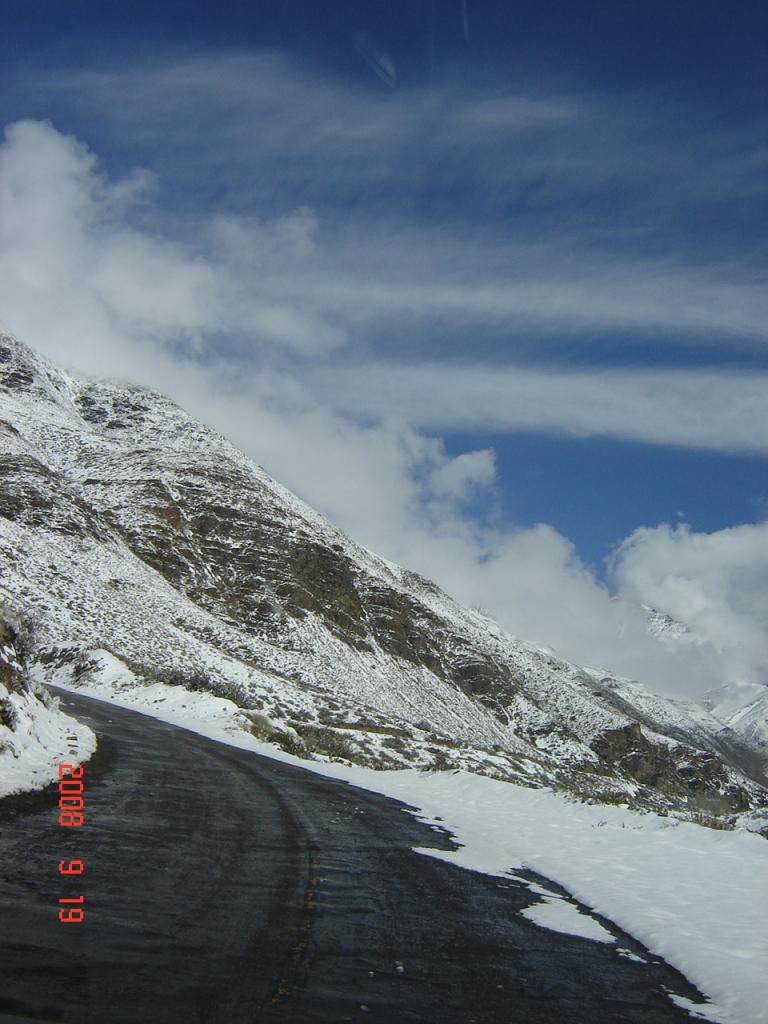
[[225, 888]]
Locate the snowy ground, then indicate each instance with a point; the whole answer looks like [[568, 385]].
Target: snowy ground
[[694, 896], [43, 739]]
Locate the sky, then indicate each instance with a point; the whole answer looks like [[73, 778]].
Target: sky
[[483, 282]]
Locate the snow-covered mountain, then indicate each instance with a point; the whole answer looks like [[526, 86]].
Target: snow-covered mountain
[[133, 535], [665, 628], [751, 720], [741, 706]]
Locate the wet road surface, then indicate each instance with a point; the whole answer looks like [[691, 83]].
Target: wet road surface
[[222, 887]]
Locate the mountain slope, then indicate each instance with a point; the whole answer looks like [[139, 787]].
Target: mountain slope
[[751, 722], [128, 527]]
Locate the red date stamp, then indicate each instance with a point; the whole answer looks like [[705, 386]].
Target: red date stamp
[[71, 815]]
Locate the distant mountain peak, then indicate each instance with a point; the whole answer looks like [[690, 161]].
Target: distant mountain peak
[[660, 624]]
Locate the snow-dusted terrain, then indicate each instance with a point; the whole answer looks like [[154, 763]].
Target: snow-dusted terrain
[[41, 739], [751, 721], [35, 736], [128, 527], [743, 708]]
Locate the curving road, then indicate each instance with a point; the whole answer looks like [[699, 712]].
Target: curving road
[[225, 888]]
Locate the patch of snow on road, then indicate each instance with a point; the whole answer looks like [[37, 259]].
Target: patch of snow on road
[[562, 916], [627, 954], [693, 1008]]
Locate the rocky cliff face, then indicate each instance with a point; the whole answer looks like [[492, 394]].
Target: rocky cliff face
[[11, 673], [127, 526]]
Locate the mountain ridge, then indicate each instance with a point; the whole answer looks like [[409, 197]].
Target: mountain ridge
[[128, 526]]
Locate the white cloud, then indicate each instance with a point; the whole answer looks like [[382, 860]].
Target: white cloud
[[68, 253], [211, 324], [71, 264], [717, 410], [552, 177], [716, 583], [457, 477], [541, 133]]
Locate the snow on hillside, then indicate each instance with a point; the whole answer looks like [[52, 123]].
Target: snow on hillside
[[127, 526], [35, 735], [39, 740], [665, 628], [696, 897], [752, 721]]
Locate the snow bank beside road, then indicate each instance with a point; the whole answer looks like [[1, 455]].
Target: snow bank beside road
[[694, 896], [41, 739]]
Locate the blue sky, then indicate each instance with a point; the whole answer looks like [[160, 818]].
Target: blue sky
[[460, 273]]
